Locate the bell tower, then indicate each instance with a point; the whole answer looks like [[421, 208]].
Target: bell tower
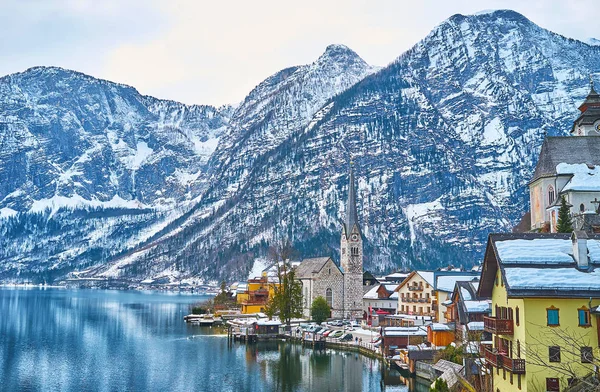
[[351, 257]]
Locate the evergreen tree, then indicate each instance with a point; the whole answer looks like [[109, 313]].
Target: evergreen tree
[[319, 310], [564, 218]]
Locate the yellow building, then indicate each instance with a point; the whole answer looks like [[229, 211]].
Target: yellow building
[[545, 293], [255, 298]]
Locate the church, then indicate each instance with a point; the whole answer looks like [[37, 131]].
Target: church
[[340, 286], [569, 166]]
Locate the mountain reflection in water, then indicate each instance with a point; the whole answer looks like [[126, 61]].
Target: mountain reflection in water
[[73, 340]]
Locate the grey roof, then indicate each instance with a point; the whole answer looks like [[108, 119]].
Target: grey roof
[[366, 289], [566, 149], [308, 267], [351, 212]]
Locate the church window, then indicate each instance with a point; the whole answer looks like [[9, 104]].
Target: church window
[[551, 195], [329, 297], [306, 296], [582, 207]]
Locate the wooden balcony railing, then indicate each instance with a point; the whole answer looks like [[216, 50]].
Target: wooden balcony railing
[[515, 365], [415, 288], [498, 326]]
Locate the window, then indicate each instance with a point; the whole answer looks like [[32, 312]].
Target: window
[[329, 297], [581, 207], [552, 384], [517, 315], [584, 317], [554, 353], [587, 355], [552, 316], [551, 195]]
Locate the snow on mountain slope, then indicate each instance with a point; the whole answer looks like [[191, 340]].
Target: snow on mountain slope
[[444, 141]]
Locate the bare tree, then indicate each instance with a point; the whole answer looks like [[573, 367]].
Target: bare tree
[[567, 353]]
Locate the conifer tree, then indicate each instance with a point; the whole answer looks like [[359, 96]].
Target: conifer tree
[[564, 225]]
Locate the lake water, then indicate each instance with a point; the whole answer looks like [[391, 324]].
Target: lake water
[[98, 340]]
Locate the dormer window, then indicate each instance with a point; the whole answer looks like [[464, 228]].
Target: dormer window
[[551, 195]]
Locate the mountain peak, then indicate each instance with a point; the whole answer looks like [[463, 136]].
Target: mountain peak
[[339, 53]]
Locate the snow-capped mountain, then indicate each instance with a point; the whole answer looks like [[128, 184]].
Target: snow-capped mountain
[[443, 141]]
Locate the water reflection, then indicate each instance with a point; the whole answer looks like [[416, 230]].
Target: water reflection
[[74, 340]]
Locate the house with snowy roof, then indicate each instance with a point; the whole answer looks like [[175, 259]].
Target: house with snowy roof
[[545, 292], [427, 293], [467, 310], [569, 166], [381, 300]]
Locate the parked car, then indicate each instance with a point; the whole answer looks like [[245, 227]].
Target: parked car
[[328, 332], [346, 338], [336, 334]]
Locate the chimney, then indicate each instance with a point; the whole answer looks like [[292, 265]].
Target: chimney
[[580, 251]]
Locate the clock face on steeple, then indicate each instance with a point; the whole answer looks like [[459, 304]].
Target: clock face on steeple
[[354, 237]]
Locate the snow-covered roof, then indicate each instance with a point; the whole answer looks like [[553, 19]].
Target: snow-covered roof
[[478, 306], [394, 295], [371, 294], [440, 327], [391, 287], [539, 250], [552, 279], [446, 282], [268, 322], [475, 326], [428, 276], [404, 331], [466, 295], [585, 178]]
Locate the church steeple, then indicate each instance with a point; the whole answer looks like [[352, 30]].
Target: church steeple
[[351, 212]]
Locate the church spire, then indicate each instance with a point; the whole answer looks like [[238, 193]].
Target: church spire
[[351, 212]]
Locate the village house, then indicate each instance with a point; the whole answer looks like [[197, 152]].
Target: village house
[[426, 293], [466, 311], [544, 288]]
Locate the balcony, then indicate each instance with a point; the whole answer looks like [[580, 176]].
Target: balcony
[[514, 365], [498, 326], [415, 288]]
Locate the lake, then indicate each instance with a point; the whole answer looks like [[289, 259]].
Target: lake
[[54, 339]]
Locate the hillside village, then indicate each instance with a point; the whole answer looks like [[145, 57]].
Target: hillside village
[[526, 319]]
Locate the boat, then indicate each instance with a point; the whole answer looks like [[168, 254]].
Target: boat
[[204, 320]]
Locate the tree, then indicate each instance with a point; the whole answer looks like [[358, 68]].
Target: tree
[[287, 294], [319, 310], [566, 359], [440, 386], [564, 225]]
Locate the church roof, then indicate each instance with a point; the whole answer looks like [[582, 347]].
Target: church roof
[[566, 149], [351, 211], [309, 267]]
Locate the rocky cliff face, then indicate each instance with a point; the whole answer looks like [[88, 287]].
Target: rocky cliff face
[[444, 141]]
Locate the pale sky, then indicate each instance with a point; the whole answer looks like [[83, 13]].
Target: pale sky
[[215, 52]]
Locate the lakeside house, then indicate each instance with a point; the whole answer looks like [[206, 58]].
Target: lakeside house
[[544, 289]]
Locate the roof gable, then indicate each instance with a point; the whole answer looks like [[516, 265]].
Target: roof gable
[[309, 267]]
